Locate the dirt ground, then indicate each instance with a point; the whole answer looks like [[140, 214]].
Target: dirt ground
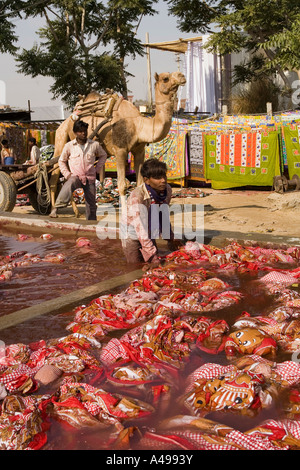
[[242, 211], [260, 212]]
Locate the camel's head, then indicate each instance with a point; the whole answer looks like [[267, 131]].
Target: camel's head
[[169, 82]]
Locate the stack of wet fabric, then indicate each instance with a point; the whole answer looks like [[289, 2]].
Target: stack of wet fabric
[[46, 153], [22, 200], [106, 192], [108, 313], [189, 192], [24, 259], [159, 365]]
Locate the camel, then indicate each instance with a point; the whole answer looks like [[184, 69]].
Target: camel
[[126, 130]]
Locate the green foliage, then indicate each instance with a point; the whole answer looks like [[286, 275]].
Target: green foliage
[[253, 98], [250, 25], [84, 44], [252, 69], [8, 38], [286, 43], [73, 73]]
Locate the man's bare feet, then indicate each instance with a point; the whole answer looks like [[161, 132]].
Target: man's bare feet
[[53, 213]]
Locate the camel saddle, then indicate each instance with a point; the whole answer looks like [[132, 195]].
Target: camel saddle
[[101, 107]]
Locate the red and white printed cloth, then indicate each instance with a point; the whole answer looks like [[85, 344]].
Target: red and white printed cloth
[[275, 277]]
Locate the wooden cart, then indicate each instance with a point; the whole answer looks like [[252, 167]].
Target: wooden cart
[[32, 180]]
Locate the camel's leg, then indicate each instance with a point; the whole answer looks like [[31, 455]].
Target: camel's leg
[[53, 184], [139, 157], [121, 156]]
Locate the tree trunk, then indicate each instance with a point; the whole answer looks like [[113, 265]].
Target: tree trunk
[[123, 79]]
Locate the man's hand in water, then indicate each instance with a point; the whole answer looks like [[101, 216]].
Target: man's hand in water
[[154, 263], [175, 244]]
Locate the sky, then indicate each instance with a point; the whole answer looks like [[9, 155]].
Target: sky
[[18, 89]]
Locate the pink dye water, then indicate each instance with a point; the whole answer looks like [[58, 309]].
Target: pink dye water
[[87, 266], [83, 266], [37, 283]]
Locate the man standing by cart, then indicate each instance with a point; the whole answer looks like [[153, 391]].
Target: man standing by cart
[[77, 165]]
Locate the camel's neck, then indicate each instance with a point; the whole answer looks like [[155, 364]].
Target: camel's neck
[[157, 128]]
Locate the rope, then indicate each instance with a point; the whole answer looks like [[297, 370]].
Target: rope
[[42, 187]]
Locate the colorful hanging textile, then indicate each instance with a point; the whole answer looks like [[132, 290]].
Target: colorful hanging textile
[[196, 153], [111, 164], [282, 150], [15, 137], [242, 159], [172, 151], [291, 134]]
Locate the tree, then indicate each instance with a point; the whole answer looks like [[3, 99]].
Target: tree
[[125, 20], [9, 11], [286, 42], [70, 47], [257, 27]]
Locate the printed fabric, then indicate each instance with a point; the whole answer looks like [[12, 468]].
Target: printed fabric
[[292, 142], [172, 151], [243, 158]]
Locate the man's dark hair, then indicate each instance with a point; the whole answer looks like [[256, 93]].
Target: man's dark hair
[[32, 139], [154, 168], [4, 142], [80, 126]]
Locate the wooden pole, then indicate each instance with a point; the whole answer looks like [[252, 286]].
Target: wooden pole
[[150, 101]]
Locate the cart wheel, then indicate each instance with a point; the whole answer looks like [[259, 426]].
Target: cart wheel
[[279, 183], [8, 192]]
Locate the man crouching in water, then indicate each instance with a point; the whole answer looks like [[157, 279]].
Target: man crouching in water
[[147, 217]]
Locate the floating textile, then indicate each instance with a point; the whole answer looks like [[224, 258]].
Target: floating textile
[[160, 355], [291, 134], [172, 151], [242, 159], [24, 259], [248, 389], [189, 433]]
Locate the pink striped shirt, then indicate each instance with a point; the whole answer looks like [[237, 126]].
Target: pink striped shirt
[[79, 160]]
